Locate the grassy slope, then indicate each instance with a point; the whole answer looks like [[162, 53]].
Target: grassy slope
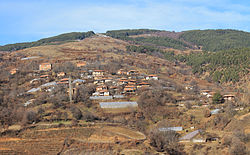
[[60, 39]]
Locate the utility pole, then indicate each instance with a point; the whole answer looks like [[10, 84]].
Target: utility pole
[[70, 90]]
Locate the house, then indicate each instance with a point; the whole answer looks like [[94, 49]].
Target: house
[[13, 71], [63, 81], [84, 74], [78, 82], [61, 74], [132, 72], [205, 92], [229, 97], [151, 77], [44, 76], [122, 81], [131, 82], [104, 93], [129, 89], [98, 73], [34, 81], [81, 64], [194, 137], [101, 88], [143, 84], [121, 72], [45, 66]]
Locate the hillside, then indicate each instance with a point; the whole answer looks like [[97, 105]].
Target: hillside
[[208, 40], [216, 40], [104, 95], [223, 66], [60, 39]]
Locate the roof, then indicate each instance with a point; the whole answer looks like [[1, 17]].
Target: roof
[[44, 76], [129, 86], [229, 95], [144, 83], [152, 75], [27, 58], [48, 84], [45, 63], [65, 79], [117, 104], [171, 128], [78, 80], [98, 70], [118, 96], [215, 111], [33, 90], [100, 97], [190, 135]]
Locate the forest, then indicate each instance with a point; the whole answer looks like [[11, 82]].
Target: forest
[[216, 40], [223, 66]]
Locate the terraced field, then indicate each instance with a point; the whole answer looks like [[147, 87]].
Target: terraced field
[[55, 140]]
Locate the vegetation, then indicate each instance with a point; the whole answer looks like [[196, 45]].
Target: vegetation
[[165, 141], [223, 66], [121, 34], [216, 40], [67, 37], [217, 98]]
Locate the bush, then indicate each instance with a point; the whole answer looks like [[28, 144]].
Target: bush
[[218, 98], [165, 141], [77, 114], [29, 117]]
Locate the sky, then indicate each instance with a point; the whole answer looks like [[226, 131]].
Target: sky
[[31, 20]]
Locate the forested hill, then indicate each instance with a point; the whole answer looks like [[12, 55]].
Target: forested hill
[[216, 40], [222, 66], [60, 39], [209, 40]]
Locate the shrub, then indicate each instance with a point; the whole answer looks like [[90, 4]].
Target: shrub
[[77, 114]]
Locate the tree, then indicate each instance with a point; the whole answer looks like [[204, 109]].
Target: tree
[[218, 98], [76, 112], [165, 141]]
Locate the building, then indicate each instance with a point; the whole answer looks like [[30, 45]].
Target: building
[[13, 71], [143, 85], [81, 64], [132, 72], [121, 72], [129, 89], [171, 129], [44, 76], [194, 137], [98, 73], [104, 93], [45, 67], [229, 97], [152, 77], [61, 74], [101, 88]]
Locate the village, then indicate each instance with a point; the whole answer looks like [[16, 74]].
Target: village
[[114, 91], [114, 98]]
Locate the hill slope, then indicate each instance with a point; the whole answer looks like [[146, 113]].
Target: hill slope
[[215, 40], [62, 38]]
